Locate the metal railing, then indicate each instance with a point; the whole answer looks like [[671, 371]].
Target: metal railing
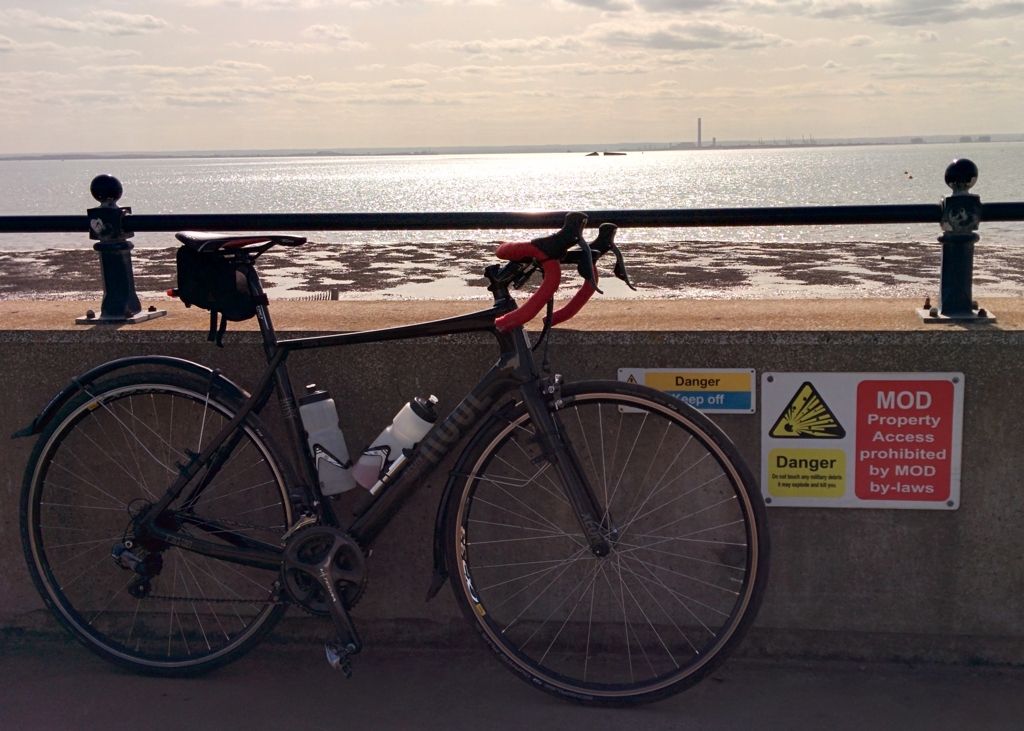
[[959, 216]]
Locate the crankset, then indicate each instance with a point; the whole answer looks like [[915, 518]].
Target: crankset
[[324, 570], [311, 547]]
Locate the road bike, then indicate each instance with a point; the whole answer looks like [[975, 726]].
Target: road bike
[[605, 540]]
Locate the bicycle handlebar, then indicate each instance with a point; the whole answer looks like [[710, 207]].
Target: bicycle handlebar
[[529, 309], [550, 253]]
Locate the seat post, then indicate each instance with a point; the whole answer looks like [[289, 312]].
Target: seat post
[[252, 278]]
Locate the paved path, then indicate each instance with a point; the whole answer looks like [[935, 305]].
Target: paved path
[[53, 685]]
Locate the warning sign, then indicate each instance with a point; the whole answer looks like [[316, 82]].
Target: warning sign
[[904, 440], [893, 439], [807, 416], [720, 391], [817, 473]]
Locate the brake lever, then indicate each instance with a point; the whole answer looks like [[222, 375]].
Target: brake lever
[[619, 270], [605, 239], [586, 265]]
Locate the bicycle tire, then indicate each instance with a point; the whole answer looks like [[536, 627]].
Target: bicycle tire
[[110, 451], [686, 572]]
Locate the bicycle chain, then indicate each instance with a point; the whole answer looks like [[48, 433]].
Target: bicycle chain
[[214, 600], [228, 600], [221, 600]]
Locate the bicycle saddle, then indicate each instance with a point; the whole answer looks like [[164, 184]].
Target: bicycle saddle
[[206, 242]]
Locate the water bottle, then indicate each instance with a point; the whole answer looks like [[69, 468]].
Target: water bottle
[[326, 442], [409, 426]]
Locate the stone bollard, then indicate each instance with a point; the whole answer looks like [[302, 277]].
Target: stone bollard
[[961, 214], [106, 226]]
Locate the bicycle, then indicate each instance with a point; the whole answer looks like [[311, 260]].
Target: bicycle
[[606, 541]]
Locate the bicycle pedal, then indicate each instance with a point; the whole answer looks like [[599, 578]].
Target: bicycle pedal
[[340, 658]]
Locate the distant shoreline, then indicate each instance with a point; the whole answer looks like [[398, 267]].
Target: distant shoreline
[[623, 147]]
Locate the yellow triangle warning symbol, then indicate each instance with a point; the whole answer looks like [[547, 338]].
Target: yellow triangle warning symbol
[[631, 379], [807, 417]]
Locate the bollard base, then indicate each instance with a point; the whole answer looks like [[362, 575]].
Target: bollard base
[[132, 320], [932, 315]]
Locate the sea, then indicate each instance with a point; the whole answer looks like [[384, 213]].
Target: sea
[[729, 262]]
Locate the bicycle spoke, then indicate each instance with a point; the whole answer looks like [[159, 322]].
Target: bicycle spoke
[[663, 603], [106, 461]]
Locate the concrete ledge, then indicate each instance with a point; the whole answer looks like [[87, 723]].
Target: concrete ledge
[[860, 584], [860, 315]]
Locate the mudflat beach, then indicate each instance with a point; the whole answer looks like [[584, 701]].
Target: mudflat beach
[[452, 270]]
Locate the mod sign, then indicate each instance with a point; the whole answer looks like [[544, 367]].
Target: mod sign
[[881, 440]]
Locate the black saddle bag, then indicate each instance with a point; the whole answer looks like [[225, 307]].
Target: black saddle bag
[[215, 282]]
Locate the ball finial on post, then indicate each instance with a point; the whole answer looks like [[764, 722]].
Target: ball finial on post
[[961, 175], [106, 189]]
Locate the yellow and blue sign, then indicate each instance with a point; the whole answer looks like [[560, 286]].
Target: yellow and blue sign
[[712, 390]]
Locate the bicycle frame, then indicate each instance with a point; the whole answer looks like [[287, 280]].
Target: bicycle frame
[[514, 371]]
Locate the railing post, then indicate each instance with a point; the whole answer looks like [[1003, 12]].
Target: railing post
[[106, 226], [961, 214]]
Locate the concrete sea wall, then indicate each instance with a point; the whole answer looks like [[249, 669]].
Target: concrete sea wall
[[943, 585]]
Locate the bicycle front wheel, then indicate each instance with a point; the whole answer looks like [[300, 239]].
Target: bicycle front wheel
[[110, 453], [689, 548]]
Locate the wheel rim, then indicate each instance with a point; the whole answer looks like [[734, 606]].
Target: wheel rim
[[671, 594], [110, 457]]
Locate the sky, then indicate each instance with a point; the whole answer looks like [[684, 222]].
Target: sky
[[163, 75]]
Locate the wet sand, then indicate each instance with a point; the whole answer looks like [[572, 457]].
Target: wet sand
[[683, 269]]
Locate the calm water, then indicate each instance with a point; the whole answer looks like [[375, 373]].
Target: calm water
[[522, 182]]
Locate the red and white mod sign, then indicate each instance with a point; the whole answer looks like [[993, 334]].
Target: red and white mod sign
[[847, 440], [904, 440]]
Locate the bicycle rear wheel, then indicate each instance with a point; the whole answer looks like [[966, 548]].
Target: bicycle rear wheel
[[105, 457], [689, 547]]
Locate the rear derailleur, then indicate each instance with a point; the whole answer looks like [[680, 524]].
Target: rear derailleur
[[146, 566]]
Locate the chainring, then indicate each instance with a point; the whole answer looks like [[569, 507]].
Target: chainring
[[315, 551]]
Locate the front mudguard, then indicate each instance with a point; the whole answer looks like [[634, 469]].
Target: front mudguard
[[81, 382]]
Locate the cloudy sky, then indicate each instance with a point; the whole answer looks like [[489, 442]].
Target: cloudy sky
[[238, 74]]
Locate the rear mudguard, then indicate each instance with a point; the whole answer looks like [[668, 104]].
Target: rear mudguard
[[80, 382]]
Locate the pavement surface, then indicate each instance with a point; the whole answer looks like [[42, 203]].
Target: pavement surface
[[679, 315], [49, 684]]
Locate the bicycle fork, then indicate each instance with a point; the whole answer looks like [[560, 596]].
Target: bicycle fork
[[594, 521]]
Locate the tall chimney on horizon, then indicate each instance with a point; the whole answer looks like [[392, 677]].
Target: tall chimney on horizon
[[698, 132]]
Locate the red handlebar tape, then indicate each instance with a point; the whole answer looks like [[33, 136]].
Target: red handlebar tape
[[570, 308], [530, 308], [521, 251]]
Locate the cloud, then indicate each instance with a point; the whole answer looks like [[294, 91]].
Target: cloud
[[284, 46], [217, 69], [606, 5], [997, 43], [278, 4], [683, 35], [56, 50], [858, 41], [405, 84], [102, 22], [686, 6], [915, 12], [926, 36], [292, 5], [336, 35], [886, 12], [542, 44]]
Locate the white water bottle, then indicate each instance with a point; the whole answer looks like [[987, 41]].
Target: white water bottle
[[326, 442], [409, 426]]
